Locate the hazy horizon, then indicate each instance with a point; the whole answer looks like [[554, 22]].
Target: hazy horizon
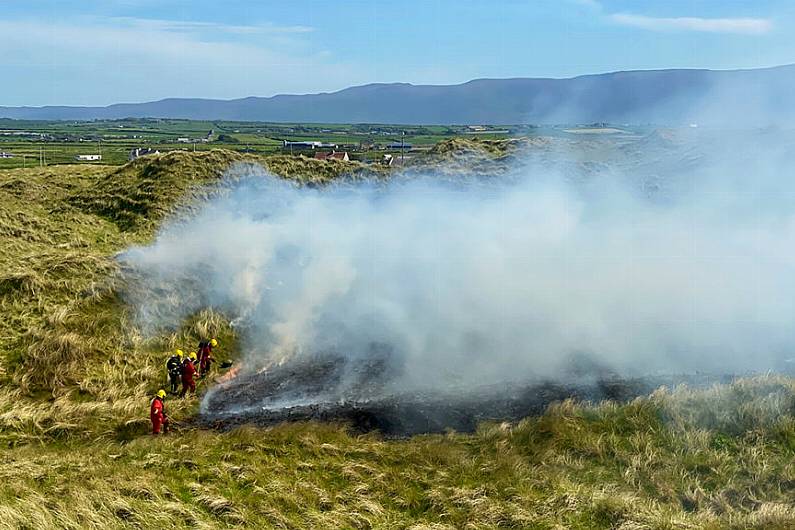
[[99, 53], [386, 83]]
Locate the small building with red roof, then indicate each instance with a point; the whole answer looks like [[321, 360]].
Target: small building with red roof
[[333, 155]]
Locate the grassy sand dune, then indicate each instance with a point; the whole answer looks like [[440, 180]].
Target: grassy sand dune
[[77, 376], [708, 459]]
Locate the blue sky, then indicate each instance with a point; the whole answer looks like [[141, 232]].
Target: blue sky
[[92, 52]]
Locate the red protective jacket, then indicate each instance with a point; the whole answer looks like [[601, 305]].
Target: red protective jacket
[[188, 371], [157, 413], [205, 359]]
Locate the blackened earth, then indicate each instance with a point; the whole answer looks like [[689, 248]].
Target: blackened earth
[[330, 388]]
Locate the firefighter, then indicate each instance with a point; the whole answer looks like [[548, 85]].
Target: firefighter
[[157, 413], [206, 356], [188, 371], [200, 352], [174, 367]]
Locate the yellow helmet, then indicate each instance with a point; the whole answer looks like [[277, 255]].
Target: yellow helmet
[[180, 353], [192, 356], [213, 343], [161, 393]]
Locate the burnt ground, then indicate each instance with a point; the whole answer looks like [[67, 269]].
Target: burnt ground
[[325, 388]]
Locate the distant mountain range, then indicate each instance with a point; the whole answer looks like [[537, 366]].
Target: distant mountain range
[[756, 97]]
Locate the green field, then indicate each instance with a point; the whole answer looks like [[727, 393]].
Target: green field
[[58, 142], [77, 377]]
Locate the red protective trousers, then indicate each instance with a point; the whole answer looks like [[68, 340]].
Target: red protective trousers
[[205, 364], [188, 371], [157, 414]]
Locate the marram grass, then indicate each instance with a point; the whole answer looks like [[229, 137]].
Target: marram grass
[[77, 375]]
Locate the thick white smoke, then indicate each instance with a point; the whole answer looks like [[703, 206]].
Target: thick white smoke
[[481, 283]]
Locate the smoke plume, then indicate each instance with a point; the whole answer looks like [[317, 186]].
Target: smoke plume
[[674, 262]]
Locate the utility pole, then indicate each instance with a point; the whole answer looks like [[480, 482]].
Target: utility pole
[[402, 145]]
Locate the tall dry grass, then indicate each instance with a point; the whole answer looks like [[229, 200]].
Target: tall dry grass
[[649, 464], [77, 375]]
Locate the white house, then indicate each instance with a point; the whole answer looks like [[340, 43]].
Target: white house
[[142, 151]]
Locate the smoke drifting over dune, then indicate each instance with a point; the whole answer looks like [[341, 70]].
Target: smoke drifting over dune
[[448, 284]]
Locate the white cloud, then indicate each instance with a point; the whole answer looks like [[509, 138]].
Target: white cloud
[[185, 26], [106, 60], [748, 26]]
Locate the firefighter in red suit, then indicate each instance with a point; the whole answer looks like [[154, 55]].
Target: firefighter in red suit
[[188, 372], [157, 413], [205, 355]]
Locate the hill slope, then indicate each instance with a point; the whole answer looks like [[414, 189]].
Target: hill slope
[[66, 330], [77, 378], [748, 97]]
